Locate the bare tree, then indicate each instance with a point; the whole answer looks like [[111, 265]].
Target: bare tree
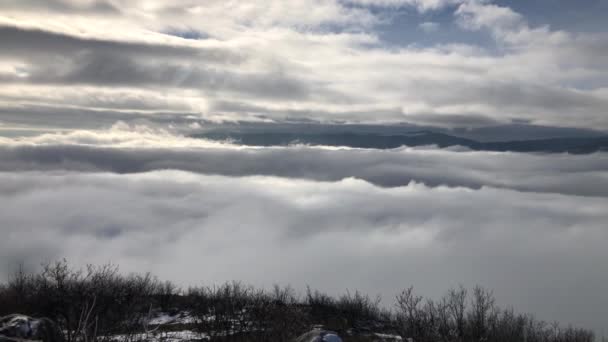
[[482, 306], [410, 314], [457, 308]]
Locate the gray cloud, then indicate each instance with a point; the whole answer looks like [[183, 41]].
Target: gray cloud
[[88, 7], [78, 61], [33, 43], [35, 115], [115, 70]]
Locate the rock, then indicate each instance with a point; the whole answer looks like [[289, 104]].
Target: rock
[[319, 335], [389, 338], [18, 327]]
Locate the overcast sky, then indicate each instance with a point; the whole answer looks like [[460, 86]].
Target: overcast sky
[[96, 165]]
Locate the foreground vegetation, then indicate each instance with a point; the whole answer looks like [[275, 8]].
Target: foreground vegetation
[[98, 304]]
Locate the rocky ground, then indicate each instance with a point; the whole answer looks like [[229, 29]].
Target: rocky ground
[[163, 327]]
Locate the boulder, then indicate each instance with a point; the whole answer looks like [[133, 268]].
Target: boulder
[[18, 327], [319, 335]]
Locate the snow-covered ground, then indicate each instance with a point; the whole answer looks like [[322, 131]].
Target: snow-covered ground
[[165, 336], [164, 318], [161, 320], [388, 337]]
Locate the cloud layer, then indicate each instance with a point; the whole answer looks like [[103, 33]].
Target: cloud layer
[[199, 211], [533, 249], [128, 149]]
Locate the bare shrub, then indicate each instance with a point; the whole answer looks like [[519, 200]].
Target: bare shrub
[[98, 303]]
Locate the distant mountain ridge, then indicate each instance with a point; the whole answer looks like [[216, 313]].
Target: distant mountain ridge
[[575, 145]]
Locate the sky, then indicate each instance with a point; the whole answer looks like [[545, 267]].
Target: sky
[[451, 63], [99, 101]]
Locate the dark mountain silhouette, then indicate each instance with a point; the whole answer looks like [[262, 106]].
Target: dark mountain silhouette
[[576, 145]]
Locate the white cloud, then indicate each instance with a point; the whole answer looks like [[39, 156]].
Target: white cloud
[[131, 149], [197, 228], [476, 15], [120, 135], [281, 58]]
